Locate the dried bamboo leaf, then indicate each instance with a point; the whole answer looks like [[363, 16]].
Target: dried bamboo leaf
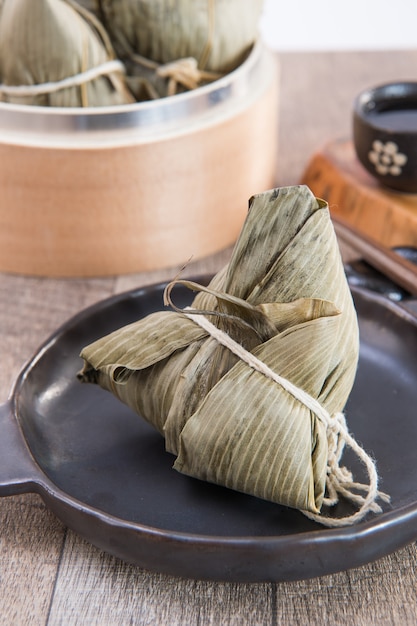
[[170, 47], [47, 41], [302, 354], [227, 423], [90, 5], [217, 33]]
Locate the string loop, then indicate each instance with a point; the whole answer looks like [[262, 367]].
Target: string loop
[[71, 81]]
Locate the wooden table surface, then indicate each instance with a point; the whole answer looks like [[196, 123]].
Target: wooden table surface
[[49, 575]]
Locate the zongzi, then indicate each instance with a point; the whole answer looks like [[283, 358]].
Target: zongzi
[[56, 53], [246, 383], [172, 46]]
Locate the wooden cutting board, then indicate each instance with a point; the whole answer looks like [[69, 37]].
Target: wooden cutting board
[[335, 174]]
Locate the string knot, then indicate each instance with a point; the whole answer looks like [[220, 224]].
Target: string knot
[[184, 72]]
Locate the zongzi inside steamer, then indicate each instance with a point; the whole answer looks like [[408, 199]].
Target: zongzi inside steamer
[[43, 42], [284, 298], [181, 44]]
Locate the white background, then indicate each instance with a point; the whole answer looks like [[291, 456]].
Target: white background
[[301, 25]]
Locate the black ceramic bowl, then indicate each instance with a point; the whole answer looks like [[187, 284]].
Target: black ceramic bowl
[[385, 134]]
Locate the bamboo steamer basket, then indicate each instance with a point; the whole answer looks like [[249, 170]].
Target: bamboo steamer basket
[[105, 191]]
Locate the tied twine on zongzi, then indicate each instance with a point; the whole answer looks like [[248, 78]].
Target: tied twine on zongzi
[[248, 384], [56, 53], [339, 481], [110, 52], [170, 47]]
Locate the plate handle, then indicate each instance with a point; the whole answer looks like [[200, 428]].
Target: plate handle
[[18, 471]]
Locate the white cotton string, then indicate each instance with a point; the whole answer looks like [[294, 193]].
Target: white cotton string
[[184, 72], [339, 480], [71, 81]]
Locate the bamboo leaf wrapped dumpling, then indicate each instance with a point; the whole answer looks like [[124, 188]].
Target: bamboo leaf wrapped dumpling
[[56, 53], [285, 301], [217, 33], [180, 45]]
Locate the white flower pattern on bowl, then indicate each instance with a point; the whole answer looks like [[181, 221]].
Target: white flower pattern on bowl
[[386, 158]]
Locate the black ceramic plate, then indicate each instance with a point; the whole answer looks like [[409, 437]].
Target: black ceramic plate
[[105, 472]]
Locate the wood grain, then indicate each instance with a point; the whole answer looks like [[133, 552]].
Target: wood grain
[[49, 576], [335, 174], [392, 265], [154, 202], [137, 597], [31, 541], [105, 591]]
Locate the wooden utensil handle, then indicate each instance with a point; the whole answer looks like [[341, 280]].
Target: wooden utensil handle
[[388, 262]]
